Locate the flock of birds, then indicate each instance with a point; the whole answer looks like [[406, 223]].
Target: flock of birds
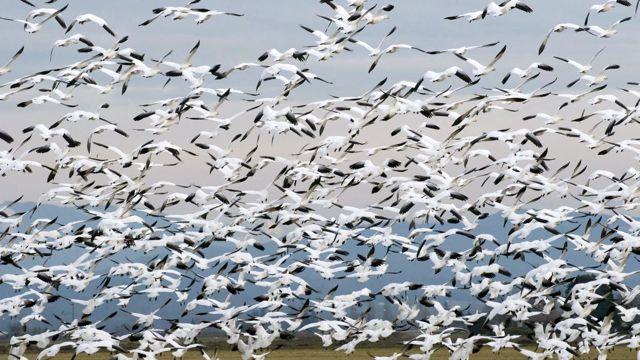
[[365, 193]]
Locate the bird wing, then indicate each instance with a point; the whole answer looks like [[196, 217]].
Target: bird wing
[[192, 52], [522, 6], [386, 36], [620, 21], [484, 46], [375, 62], [14, 57], [543, 45], [363, 44], [570, 62], [498, 56], [16, 20], [54, 14], [149, 21], [473, 63], [593, 58]]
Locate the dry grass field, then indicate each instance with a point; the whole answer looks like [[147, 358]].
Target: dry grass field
[[307, 347]]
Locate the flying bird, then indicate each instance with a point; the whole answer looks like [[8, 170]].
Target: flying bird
[[85, 18]]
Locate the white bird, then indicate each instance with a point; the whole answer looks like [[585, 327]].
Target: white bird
[[608, 5], [557, 29], [43, 99], [548, 119], [71, 40], [462, 50], [494, 9], [40, 12], [598, 31], [84, 18], [377, 52], [528, 72], [469, 16], [479, 69], [583, 69], [47, 133], [449, 72], [392, 49], [202, 16], [33, 27], [596, 79], [280, 56]]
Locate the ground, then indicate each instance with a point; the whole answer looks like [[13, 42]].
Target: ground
[[302, 353]]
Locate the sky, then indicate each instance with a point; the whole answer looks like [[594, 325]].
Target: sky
[[275, 24]]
